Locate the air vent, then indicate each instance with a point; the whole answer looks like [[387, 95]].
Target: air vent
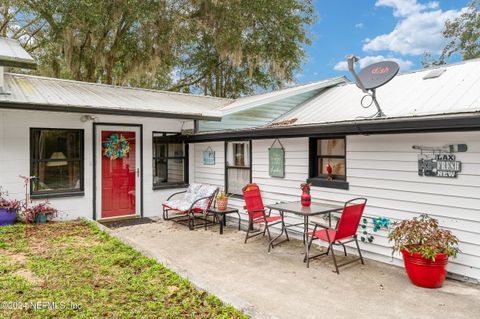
[[434, 74]]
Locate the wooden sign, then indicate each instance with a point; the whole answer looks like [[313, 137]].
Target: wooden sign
[[276, 160]]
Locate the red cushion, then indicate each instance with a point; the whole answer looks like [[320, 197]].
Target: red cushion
[[322, 234]]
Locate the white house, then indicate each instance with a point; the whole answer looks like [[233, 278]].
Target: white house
[[57, 130], [371, 157], [100, 151]]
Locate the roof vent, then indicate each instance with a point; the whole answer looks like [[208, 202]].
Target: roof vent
[[434, 74]]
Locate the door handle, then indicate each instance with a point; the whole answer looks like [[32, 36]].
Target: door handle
[[138, 172]]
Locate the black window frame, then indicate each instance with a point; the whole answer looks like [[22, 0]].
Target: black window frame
[[81, 159], [227, 167], [170, 138], [321, 180]]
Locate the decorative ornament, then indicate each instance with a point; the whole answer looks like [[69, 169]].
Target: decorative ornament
[[116, 146], [306, 198], [329, 169]]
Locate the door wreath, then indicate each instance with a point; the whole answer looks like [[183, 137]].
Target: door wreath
[[116, 146]]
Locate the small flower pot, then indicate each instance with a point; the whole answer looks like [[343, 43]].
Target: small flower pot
[[222, 204], [41, 219], [7, 216], [424, 272]]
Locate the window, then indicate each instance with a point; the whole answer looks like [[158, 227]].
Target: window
[[324, 151], [238, 166], [169, 161], [56, 160]]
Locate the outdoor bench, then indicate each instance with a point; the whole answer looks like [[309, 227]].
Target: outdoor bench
[[196, 200]]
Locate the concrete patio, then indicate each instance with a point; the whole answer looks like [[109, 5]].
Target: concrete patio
[[278, 285]]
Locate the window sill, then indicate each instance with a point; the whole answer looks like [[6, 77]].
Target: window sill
[[57, 195], [169, 186], [322, 182]]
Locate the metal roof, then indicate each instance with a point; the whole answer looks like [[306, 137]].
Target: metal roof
[[12, 54], [457, 90], [252, 101], [262, 109], [42, 93]]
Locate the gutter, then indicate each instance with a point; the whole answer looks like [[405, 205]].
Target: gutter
[[468, 122], [104, 111]]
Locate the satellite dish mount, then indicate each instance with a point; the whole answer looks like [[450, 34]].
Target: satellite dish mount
[[372, 77]]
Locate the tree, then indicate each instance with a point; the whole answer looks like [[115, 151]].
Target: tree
[[17, 21], [463, 36], [239, 46], [109, 41], [222, 48]]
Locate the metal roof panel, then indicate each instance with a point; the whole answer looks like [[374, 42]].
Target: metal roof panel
[[57, 92], [456, 90]]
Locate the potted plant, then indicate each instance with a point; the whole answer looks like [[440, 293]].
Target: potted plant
[[8, 211], [39, 214], [425, 248], [222, 200]]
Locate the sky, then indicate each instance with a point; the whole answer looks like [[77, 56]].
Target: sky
[[375, 30]]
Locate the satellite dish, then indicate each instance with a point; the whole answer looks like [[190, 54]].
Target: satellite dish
[[372, 77], [378, 74]]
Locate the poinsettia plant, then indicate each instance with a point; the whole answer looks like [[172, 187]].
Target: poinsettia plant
[[423, 235], [30, 213]]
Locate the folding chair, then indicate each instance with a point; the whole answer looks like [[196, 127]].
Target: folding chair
[[344, 232], [257, 215]]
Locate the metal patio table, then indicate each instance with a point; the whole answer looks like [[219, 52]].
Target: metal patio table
[[314, 209], [220, 214]]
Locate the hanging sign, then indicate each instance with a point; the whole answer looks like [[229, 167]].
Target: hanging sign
[[276, 160], [440, 161], [438, 165], [209, 156]]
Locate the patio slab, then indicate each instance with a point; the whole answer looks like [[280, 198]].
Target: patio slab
[[278, 285]]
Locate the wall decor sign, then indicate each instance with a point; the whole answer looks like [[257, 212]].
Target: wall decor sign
[[209, 156], [276, 160], [440, 162]]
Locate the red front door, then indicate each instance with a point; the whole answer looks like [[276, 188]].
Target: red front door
[[118, 176]]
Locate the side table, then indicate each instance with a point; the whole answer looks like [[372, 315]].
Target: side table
[[220, 214]]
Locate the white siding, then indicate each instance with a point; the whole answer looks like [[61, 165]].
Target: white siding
[[383, 168], [15, 155], [209, 174]]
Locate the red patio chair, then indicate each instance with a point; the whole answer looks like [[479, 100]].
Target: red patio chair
[[257, 214], [345, 232]]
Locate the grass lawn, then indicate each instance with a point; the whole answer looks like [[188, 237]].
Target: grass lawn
[[73, 269]]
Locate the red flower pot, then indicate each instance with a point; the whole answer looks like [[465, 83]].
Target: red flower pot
[[424, 272]]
